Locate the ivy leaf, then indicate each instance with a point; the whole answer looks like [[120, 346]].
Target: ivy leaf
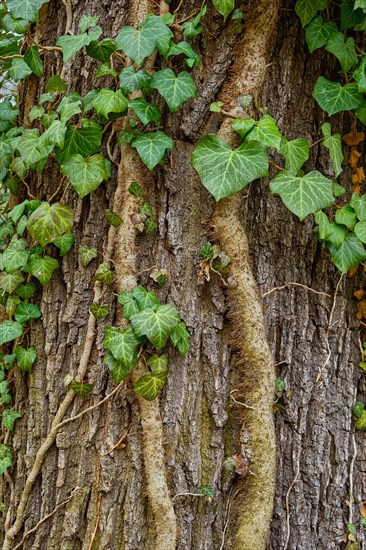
[[332, 97], [101, 50], [158, 363], [360, 231], [343, 50], [11, 304], [81, 141], [31, 149], [149, 385], [6, 458], [303, 195], [359, 75], [17, 26], [42, 267], [152, 147], [54, 135], [174, 89], [118, 369], [318, 33], [147, 112], [81, 389], [9, 281], [86, 175], [359, 206], [130, 305], [360, 423], [350, 253], [68, 110], [25, 357], [131, 80], [137, 44], [34, 61], [15, 255], [9, 416], [112, 217], [224, 7], [223, 171], [56, 84], [72, 44], [104, 274], [98, 311], [87, 21], [194, 28], [334, 144], [64, 243], [105, 70], [296, 153], [87, 255], [346, 216], [26, 290], [24, 312], [47, 223], [266, 132], [180, 338], [10, 330], [193, 60], [156, 325], [122, 344], [307, 9], [107, 101], [360, 4], [145, 299], [25, 9]]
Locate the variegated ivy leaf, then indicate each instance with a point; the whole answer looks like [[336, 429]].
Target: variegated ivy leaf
[[332, 97], [104, 274], [156, 325], [296, 153], [149, 385], [107, 101], [158, 363], [131, 80], [163, 35], [130, 305], [26, 290], [10, 330], [25, 9], [303, 195], [349, 254], [334, 144], [225, 7], [145, 298], [47, 223], [146, 112], [79, 141], [359, 206], [42, 267], [87, 255], [224, 171], [72, 44], [86, 174], [118, 369], [344, 51], [318, 33], [307, 9], [24, 312], [64, 243], [193, 60], [152, 147], [9, 281], [122, 344], [174, 89]]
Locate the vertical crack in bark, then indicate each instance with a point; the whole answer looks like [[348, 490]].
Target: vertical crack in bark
[[257, 492]]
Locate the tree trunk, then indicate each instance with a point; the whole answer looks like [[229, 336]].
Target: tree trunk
[[212, 425]]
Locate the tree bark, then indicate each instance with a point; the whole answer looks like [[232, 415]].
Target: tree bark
[[139, 495]]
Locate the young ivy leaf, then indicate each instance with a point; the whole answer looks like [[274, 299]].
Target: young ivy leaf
[[158, 363], [307, 9], [86, 175], [6, 458], [87, 21], [118, 369], [224, 7], [15, 255], [149, 385], [9, 416], [334, 144], [64, 243], [42, 267], [25, 357], [152, 147], [174, 89], [112, 217], [122, 344], [130, 305], [194, 28], [107, 101], [223, 171], [81, 389], [10, 330], [145, 299], [87, 255], [99, 311], [332, 97], [266, 132], [56, 84], [349, 254], [180, 338], [104, 274], [303, 195], [47, 223], [131, 80], [147, 112], [318, 33], [346, 216], [24, 312], [156, 325]]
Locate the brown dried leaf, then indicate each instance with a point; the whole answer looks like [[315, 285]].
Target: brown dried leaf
[[353, 158], [353, 138], [363, 509], [352, 271], [360, 174], [354, 179], [359, 294], [361, 310]]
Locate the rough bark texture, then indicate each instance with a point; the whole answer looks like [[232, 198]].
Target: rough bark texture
[[202, 427]]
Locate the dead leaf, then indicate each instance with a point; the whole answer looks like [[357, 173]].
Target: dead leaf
[[352, 271], [359, 294], [363, 509], [361, 310], [353, 138], [353, 158], [354, 179], [241, 465], [360, 173]]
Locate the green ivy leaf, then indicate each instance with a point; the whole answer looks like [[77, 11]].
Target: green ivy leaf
[[56, 84], [360, 231], [137, 44], [86, 175], [17, 26], [15, 255], [107, 101], [343, 50], [81, 389], [334, 144], [349, 16], [10, 330], [25, 9], [87, 255], [360, 423], [266, 132], [42, 267], [6, 458], [24, 312], [35, 112], [31, 149], [156, 325], [350, 253], [303, 195], [26, 290], [98, 311], [11, 304], [79, 141], [158, 363], [131, 80], [149, 385], [47, 223], [130, 305], [224, 7], [87, 21], [174, 89], [72, 44], [359, 206], [359, 75], [68, 110], [223, 171], [136, 189], [112, 217], [119, 371], [332, 97], [360, 4], [122, 344], [307, 9], [180, 338], [147, 112], [101, 50], [152, 147], [206, 490], [9, 281], [346, 216], [296, 153], [9, 416], [34, 61], [104, 274], [193, 60], [318, 33], [105, 70], [144, 298], [193, 28], [163, 35], [64, 243]]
